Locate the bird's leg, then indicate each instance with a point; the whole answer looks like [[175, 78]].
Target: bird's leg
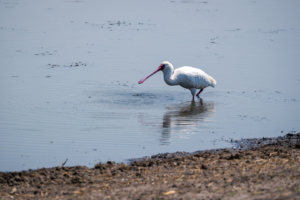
[[193, 92], [199, 92]]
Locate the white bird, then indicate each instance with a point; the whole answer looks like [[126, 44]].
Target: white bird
[[187, 77]]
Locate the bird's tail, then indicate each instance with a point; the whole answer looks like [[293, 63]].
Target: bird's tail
[[213, 81]]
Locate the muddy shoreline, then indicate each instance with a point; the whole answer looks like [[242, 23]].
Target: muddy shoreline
[[266, 168]]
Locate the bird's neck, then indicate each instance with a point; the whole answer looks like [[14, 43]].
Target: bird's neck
[[169, 78]]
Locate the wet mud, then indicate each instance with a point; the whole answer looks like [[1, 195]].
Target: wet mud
[[268, 169]]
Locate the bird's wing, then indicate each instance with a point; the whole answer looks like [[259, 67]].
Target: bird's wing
[[189, 77]]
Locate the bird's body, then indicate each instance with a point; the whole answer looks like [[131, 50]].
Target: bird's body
[[187, 77]]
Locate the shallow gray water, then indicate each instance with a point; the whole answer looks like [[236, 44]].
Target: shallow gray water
[[69, 73]]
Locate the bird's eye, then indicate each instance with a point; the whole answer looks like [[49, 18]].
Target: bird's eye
[[162, 67]]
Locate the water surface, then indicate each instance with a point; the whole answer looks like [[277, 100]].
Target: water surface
[[69, 73]]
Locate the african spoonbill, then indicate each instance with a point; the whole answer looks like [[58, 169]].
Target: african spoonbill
[[187, 77]]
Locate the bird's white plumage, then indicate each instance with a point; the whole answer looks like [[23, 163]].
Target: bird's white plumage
[[187, 77]]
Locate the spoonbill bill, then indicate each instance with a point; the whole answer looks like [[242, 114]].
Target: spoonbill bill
[[187, 77]]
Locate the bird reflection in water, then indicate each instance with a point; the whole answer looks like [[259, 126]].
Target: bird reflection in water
[[184, 117]]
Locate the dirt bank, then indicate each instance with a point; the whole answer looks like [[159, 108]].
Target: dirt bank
[[265, 171]]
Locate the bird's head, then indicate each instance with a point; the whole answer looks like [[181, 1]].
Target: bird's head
[[165, 66], [162, 67]]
